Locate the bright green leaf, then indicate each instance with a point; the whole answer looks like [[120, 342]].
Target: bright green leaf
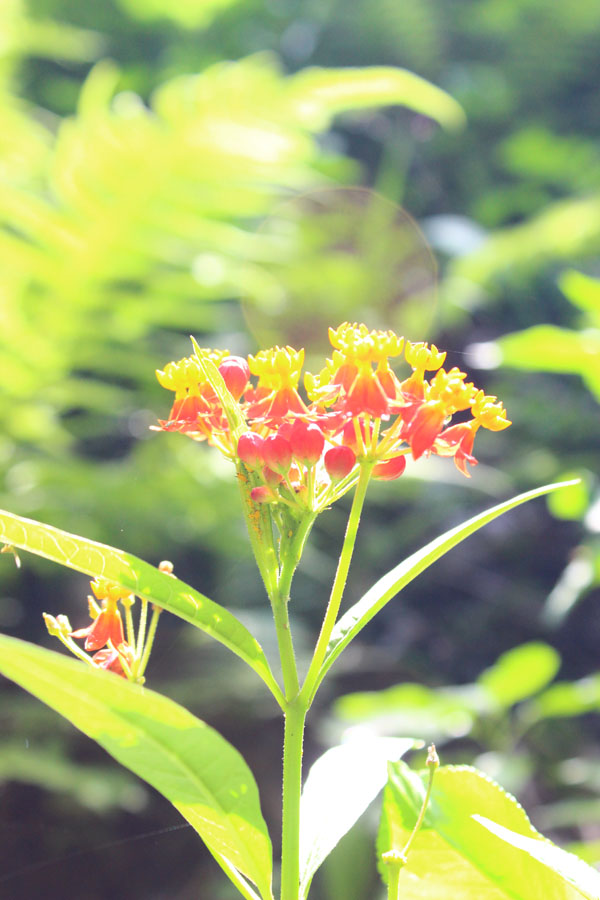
[[195, 768], [339, 787], [143, 579], [588, 851], [319, 94], [562, 230], [567, 698], [185, 13], [391, 584], [582, 291], [520, 672], [452, 856], [548, 348], [575, 871], [416, 709], [572, 503]]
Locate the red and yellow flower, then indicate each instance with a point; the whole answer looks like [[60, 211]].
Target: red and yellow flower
[[358, 410]]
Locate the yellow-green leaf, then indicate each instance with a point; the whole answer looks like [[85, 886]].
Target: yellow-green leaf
[[101, 560], [195, 768]]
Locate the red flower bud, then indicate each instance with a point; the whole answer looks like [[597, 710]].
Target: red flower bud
[[272, 478], [339, 462], [307, 442], [389, 469], [277, 453], [250, 449], [263, 494], [236, 374]]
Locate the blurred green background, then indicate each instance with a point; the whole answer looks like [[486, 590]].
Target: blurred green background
[[240, 171]]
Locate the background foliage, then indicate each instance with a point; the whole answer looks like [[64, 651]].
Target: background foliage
[[174, 167]]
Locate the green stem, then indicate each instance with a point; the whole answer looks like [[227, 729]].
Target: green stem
[[294, 710], [393, 890], [289, 669], [432, 764], [280, 601], [260, 529], [139, 647], [293, 553], [295, 717], [341, 576], [130, 630], [156, 611]]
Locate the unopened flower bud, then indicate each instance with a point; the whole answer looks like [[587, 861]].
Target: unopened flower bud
[[307, 442], [389, 469], [236, 374], [57, 626], [263, 494], [339, 462], [272, 478], [433, 759], [277, 453], [52, 625], [249, 450]]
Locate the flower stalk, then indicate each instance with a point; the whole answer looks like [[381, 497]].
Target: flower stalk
[[294, 456]]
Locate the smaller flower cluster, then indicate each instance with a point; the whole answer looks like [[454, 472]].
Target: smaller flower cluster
[[306, 452], [113, 646]]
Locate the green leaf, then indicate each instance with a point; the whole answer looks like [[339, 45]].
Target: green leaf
[[548, 348], [520, 672], [582, 291], [588, 851], [452, 855], [237, 423], [572, 503], [574, 870], [195, 768], [319, 94], [391, 584], [146, 581], [416, 709], [339, 787], [566, 699], [184, 13]]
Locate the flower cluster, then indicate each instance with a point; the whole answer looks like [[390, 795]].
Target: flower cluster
[[307, 452], [113, 646]]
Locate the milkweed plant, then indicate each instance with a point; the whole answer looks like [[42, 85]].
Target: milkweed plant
[[446, 831]]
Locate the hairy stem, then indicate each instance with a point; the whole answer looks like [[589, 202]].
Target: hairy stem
[[339, 583], [295, 717]]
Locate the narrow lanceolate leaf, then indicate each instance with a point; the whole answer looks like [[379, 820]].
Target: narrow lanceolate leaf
[[574, 870], [320, 94], [391, 584], [452, 855], [195, 768], [340, 786], [237, 424], [100, 560]]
